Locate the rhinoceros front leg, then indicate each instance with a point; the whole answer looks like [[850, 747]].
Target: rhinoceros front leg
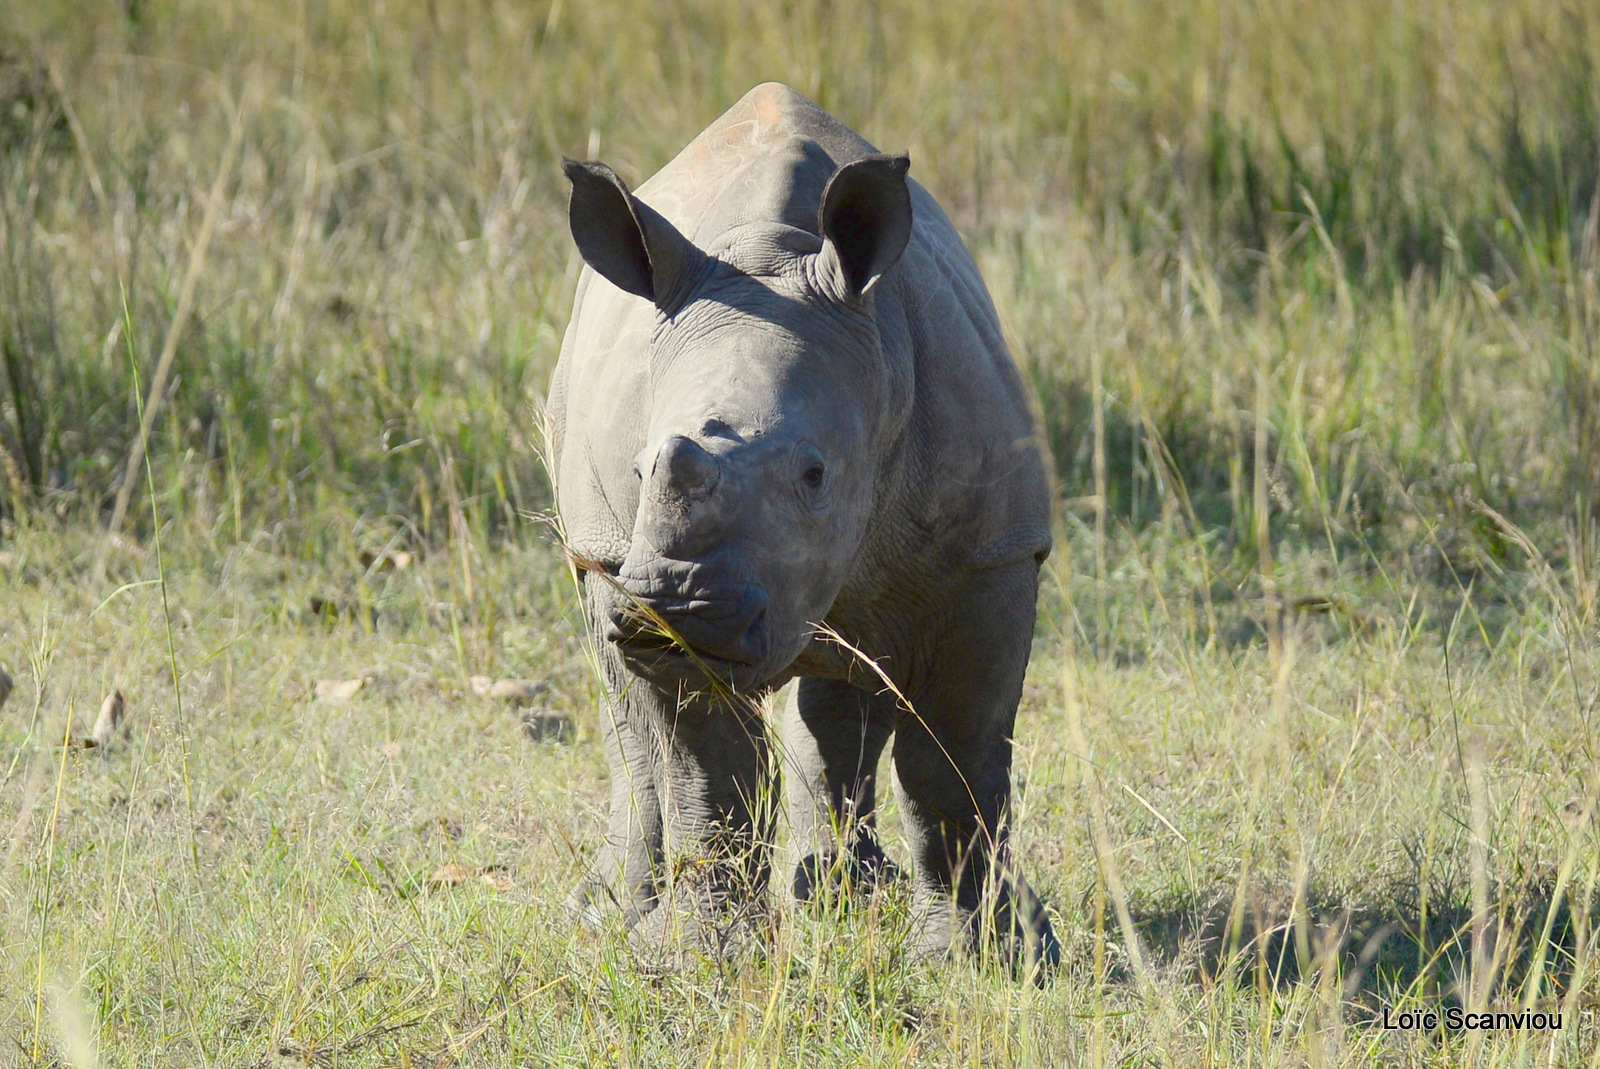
[[715, 788], [625, 877], [952, 775], [833, 735], [690, 818]]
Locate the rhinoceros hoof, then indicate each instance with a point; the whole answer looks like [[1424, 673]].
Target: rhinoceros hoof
[[1027, 945], [862, 870], [700, 928], [598, 906]]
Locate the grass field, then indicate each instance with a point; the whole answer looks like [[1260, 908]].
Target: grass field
[[1309, 296]]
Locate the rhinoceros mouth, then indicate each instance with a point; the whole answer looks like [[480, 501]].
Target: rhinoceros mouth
[[655, 643], [653, 658], [718, 623], [675, 670]]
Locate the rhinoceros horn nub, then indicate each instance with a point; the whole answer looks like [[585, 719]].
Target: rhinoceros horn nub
[[684, 470]]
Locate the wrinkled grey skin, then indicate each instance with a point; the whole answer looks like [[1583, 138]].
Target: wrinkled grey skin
[[784, 401]]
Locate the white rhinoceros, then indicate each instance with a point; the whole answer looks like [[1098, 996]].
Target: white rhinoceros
[[788, 441]]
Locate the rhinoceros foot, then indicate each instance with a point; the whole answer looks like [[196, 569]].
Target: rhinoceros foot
[[702, 924], [862, 868], [1011, 927], [606, 896]]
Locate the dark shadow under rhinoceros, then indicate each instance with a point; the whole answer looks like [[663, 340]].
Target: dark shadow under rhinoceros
[[789, 441]]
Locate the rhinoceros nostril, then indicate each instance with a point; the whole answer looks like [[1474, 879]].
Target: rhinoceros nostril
[[685, 469]]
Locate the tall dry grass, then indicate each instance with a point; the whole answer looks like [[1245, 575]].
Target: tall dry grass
[[1308, 297], [1387, 211]]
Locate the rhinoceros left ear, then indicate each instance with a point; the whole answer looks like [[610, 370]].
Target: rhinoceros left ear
[[865, 220], [625, 240]]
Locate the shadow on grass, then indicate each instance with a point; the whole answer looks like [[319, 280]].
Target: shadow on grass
[[1381, 952]]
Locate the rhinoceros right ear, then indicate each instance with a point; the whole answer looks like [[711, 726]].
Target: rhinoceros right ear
[[865, 220], [626, 241]]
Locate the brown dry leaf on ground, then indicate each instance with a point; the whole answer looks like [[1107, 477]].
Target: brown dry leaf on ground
[[451, 875], [456, 874], [397, 560], [112, 712], [338, 690]]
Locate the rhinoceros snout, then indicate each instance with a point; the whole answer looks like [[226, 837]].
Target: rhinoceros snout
[[725, 620]]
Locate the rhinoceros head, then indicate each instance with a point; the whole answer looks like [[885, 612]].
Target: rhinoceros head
[[772, 407]]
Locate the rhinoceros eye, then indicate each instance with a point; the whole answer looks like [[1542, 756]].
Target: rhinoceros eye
[[811, 475]]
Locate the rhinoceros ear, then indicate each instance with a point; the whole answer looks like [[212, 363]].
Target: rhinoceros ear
[[866, 220], [625, 240]]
